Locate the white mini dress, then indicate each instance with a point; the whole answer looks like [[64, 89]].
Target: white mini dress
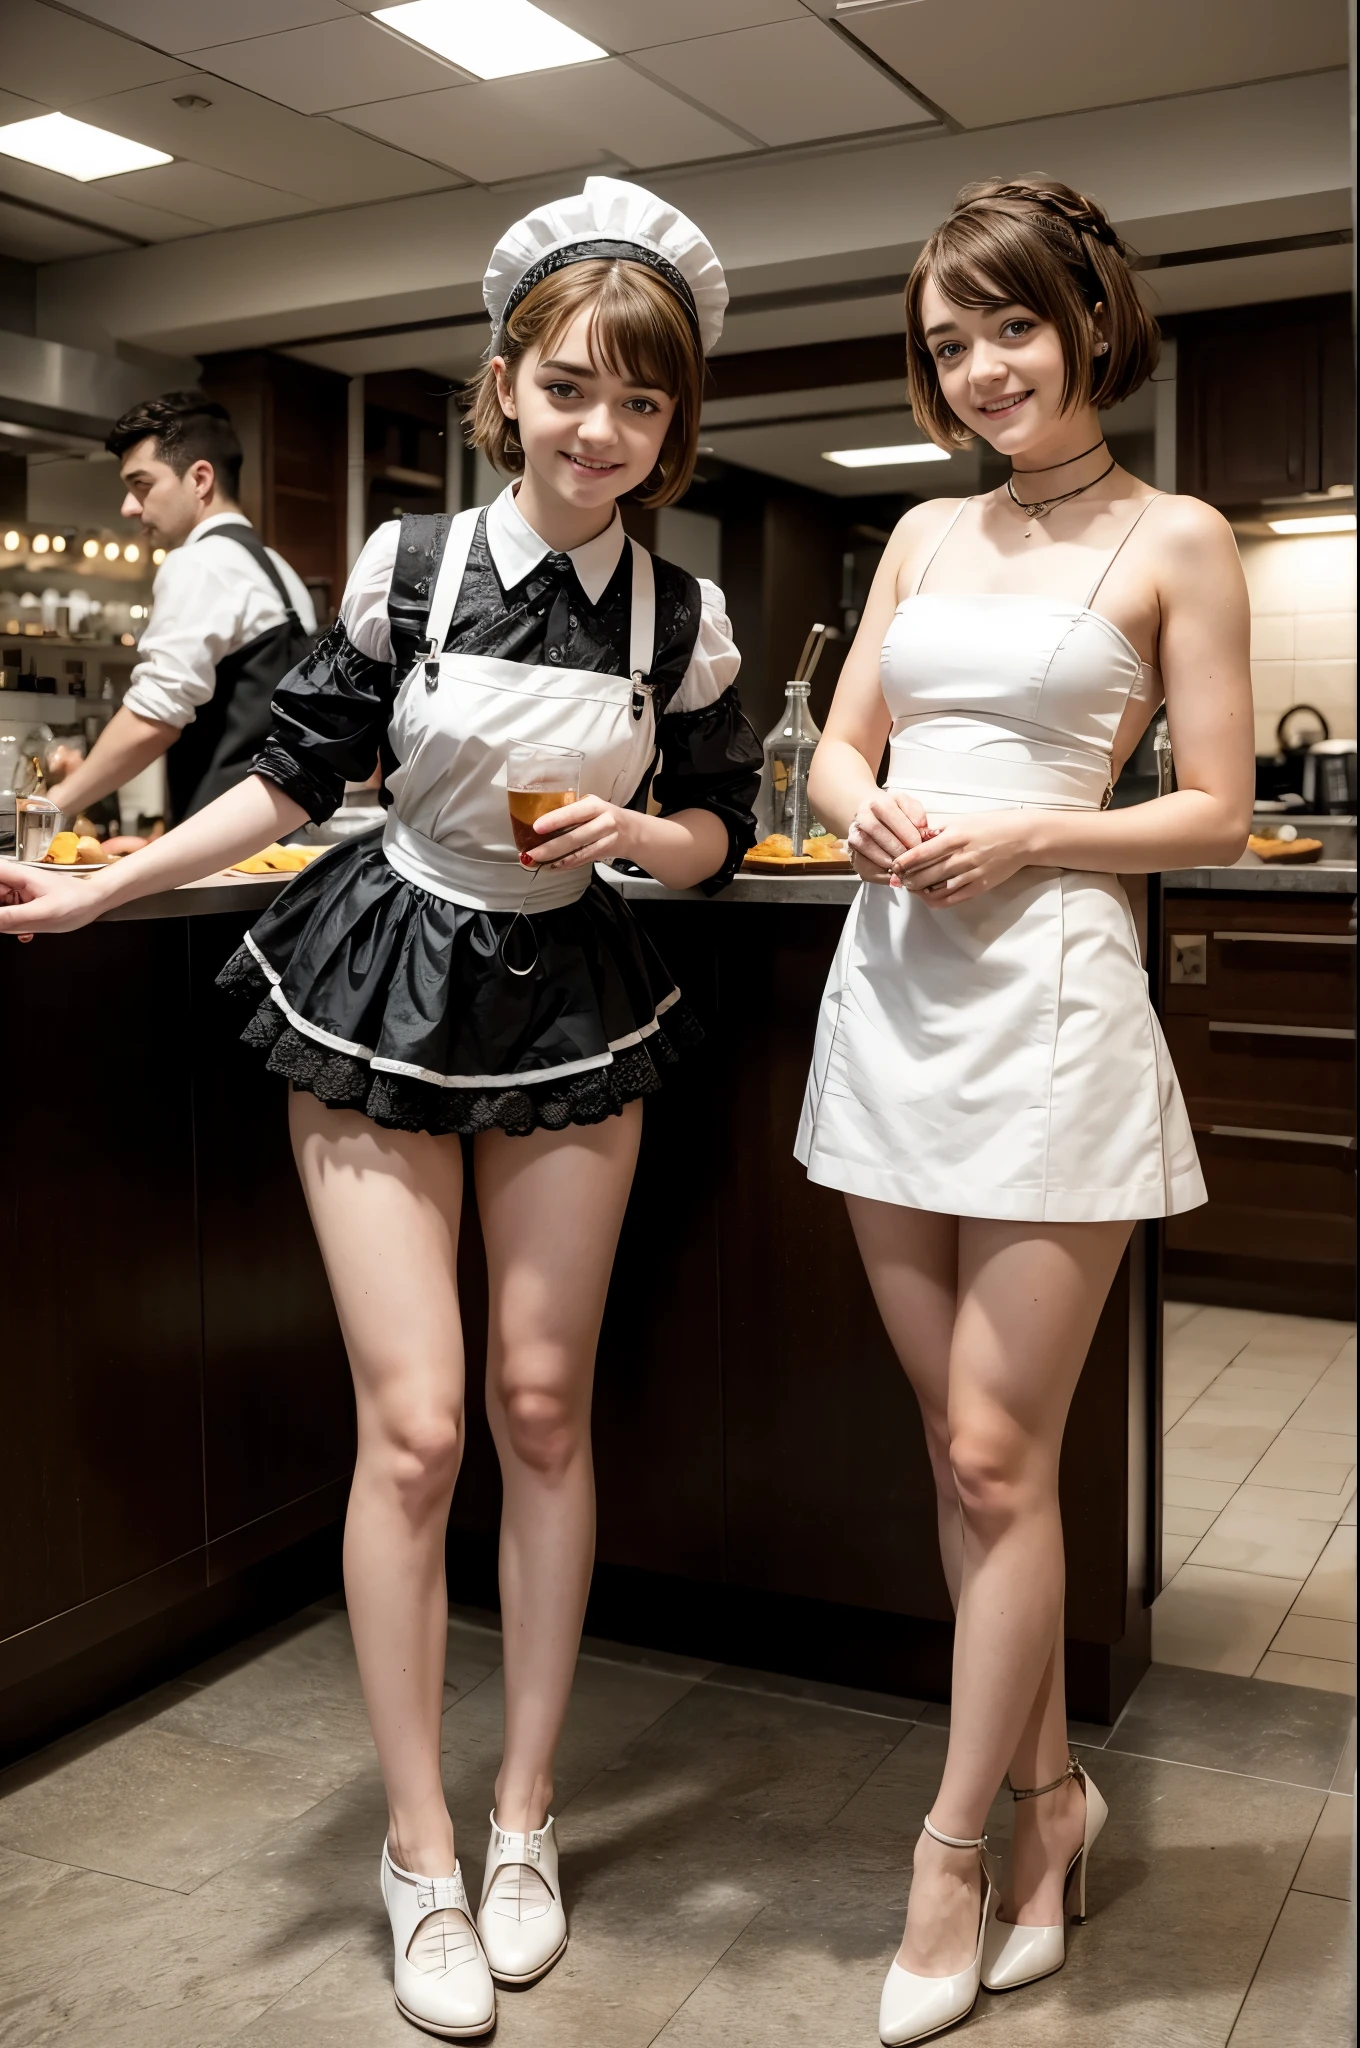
[[1000, 1057]]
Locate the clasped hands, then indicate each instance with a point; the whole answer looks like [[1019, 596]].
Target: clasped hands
[[892, 841]]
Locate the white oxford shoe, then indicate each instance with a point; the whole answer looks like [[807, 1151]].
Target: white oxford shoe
[[914, 2008], [1013, 1956], [521, 1922], [440, 1978]]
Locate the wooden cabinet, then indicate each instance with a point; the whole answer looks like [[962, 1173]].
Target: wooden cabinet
[[1259, 1005], [1265, 401]]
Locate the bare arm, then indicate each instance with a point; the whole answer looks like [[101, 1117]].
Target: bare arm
[[843, 781], [36, 900], [1206, 673], [127, 744]]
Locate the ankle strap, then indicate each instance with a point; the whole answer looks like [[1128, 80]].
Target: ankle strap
[[1073, 1770], [952, 1841]]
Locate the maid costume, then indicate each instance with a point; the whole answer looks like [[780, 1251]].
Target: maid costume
[[390, 973]]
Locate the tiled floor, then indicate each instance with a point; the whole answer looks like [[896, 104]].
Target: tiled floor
[[201, 1867], [1258, 1532]]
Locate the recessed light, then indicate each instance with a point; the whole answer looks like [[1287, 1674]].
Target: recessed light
[[59, 543], [90, 549], [12, 540], [132, 553], [111, 551], [158, 556], [886, 458], [75, 149], [41, 543], [1331, 522], [502, 41]]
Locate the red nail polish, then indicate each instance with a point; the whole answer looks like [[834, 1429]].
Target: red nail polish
[[526, 860]]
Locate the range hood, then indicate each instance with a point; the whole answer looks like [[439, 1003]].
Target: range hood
[[51, 389]]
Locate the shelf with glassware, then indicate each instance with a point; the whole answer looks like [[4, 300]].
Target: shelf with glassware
[[84, 585]]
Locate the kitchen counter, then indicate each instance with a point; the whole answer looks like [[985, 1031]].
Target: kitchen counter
[[1318, 878]]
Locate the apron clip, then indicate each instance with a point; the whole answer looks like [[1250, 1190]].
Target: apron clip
[[641, 692], [431, 660]]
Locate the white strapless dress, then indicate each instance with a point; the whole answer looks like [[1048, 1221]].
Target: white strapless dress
[[1000, 1058]]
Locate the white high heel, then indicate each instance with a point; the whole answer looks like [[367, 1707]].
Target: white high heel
[[520, 1919], [440, 1977], [1013, 1956], [914, 2008]]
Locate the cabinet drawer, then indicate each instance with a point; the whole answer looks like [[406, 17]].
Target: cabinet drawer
[[1292, 1077], [1271, 1200], [1256, 975]]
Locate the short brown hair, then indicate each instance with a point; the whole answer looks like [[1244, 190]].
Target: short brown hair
[[638, 328], [1032, 242], [187, 428]]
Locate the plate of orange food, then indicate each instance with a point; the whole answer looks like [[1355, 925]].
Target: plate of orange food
[[822, 855], [278, 860], [75, 853]]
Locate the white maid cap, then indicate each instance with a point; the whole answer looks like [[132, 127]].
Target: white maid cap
[[609, 219]]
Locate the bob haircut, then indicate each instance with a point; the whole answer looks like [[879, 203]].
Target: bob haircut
[[639, 330], [1032, 242]]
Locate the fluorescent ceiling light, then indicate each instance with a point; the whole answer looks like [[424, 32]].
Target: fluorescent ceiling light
[[1332, 522], [497, 40], [77, 150], [886, 458]]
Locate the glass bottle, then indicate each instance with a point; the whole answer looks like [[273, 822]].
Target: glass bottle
[[789, 748]]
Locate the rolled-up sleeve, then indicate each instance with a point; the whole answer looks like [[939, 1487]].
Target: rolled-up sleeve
[[331, 711], [710, 757], [194, 623]]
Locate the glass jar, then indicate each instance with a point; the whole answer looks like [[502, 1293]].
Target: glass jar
[[789, 747]]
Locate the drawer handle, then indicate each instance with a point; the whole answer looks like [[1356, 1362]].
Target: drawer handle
[[1279, 1137], [1287, 938], [1284, 1030]]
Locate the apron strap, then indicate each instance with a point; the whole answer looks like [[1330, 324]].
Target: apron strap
[[448, 580], [642, 631]]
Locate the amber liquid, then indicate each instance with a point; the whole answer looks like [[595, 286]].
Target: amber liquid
[[528, 804]]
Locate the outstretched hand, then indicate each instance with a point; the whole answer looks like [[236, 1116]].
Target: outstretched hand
[[39, 900]]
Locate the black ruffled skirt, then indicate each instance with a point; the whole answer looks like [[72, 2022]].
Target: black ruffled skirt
[[374, 995]]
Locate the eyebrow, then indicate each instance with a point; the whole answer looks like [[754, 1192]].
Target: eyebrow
[[582, 371], [941, 327]]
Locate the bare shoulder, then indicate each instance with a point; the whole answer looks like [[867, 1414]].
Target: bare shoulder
[[916, 535], [1190, 535]]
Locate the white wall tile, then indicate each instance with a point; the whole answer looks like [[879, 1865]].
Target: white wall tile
[[1272, 685], [1330, 686], [1325, 636], [1272, 636]]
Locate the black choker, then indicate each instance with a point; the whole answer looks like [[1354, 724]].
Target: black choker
[[1047, 466], [1043, 506]]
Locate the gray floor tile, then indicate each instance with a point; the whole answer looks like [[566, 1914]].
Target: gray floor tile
[[88, 1959], [1090, 1734], [1344, 1778], [1326, 1866], [1302, 1991], [1290, 1732], [737, 1678], [162, 1808]]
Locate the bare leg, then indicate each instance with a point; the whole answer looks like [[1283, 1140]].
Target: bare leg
[[385, 1206], [911, 1258], [551, 1206], [1029, 1300]]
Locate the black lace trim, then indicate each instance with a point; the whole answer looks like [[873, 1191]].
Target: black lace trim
[[398, 1104]]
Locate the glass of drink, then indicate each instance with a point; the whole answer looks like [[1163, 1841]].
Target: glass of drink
[[36, 820], [539, 779]]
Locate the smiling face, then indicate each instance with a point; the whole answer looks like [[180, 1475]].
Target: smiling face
[[590, 433], [1001, 372]]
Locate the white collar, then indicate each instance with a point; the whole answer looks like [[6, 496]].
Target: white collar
[[517, 550], [210, 525]]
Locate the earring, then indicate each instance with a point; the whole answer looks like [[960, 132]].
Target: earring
[[1102, 348]]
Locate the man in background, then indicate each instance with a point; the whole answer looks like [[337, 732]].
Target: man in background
[[229, 618]]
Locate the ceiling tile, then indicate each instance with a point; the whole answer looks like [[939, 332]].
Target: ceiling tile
[[214, 197], [502, 128], [93, 203], [792, 81], [53, 57], [37, 238], [635, 24], [334, 64], [253, 138], [643, 124], [12, 108], [184, 24], [1086, 57]]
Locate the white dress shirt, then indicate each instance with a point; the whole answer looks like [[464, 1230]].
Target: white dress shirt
[[209, 599], [516, 550]]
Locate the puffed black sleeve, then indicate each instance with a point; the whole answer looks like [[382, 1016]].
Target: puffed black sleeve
[[711, 761], [332, 711]]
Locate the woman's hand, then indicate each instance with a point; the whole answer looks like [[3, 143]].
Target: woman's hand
[[586, 831], [967, 856], [887, 825], [38, 900]]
